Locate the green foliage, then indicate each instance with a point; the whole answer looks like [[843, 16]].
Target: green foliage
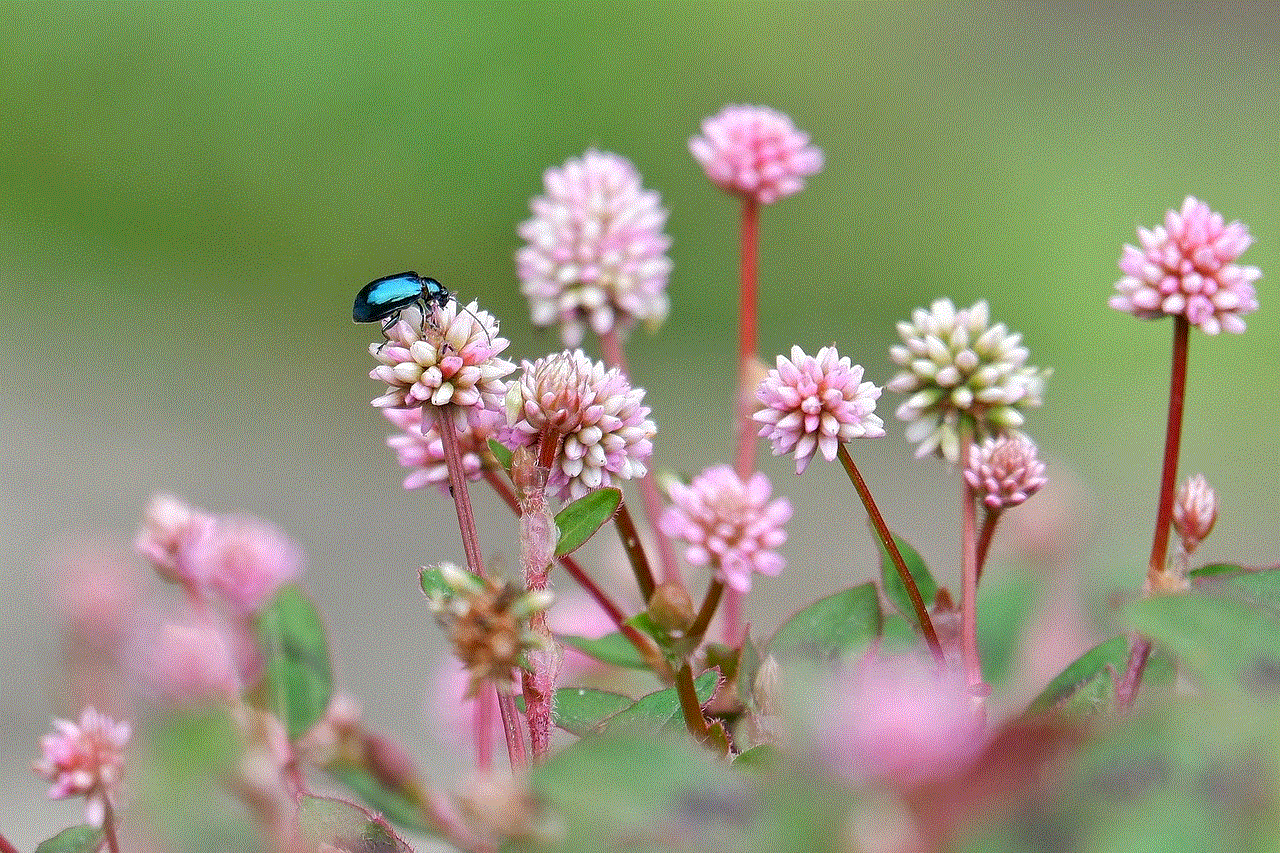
[[345, 826], [296, 670], [579, 521], [613, 649], [582, 711], [661, 709], [76, 839], [832, 627], [392, 804]]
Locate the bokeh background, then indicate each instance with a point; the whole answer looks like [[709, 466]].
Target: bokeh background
[[191, 194]]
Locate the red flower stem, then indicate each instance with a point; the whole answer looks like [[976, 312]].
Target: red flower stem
[[886, 540], [511, 727], [1127, 688], [989, 520], [109, 826], [642, 644], [690, 707], [744, 459], [649, 495], [708, 610], [482, 726], [635, 553], [969, 581]]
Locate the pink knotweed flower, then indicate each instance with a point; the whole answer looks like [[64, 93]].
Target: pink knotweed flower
[[816, 402], [188, 659], [1195, 510], [85, 759], [450, 359], [755, 152], [169, 525], [604, 423], [425, 453], [596, 251], [1005, 470], [897, 720], [730, 525], [956, 365], [1187, 266], [244, 559]]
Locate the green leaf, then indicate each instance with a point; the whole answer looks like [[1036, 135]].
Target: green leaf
[[296, 669], [345, 826], [1216, 569], [581, 710], [748, 665], [895, 590], [613, 649], [393, 804], [1224, 640], [832, 627], [656, 711], [579, 521], [501, 453], [1261, 586], [1084, 672], [762, 756], [77, 839]]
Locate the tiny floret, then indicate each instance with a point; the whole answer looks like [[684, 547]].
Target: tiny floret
[[85, 759], [595, 252], [958, 367], [815, 403], [1187, 266], [1005, 471], [729, 525], [1195, 510], [450, 359], [755, 152], [602, 422]]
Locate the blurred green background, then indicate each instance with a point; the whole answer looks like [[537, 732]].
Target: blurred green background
[[191, 194]]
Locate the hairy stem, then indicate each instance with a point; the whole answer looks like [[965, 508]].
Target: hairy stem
[[969, 579], [635, 552]]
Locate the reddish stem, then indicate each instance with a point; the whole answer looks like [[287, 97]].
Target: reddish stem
[[744, 459], [1172, 440], [635, 553], [708, 610], [886, 540], [482, 726], [690, 708], [969, 581], [109, 827], [989, 520]]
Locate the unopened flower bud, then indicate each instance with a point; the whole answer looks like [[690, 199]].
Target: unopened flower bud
[[1194, 512], [671, 609]]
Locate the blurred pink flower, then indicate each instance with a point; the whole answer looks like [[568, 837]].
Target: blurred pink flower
[[425, 453], [85, 759], [189, 659], [897, 720], [595, 250], [604, 423], [729, 525], [168, 525], [244, 559], [1005, 471], [814, 403], [1187, 266], [448, 359], [755, 152]]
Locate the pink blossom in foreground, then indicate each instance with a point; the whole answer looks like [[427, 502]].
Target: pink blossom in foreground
[[425, 453], [755, 152], [603, 423], [897, 720], [169, 525], [85, 759], [246, 560], [189, 659], [595, 252], [815, 403], [1005, 471], [1187, 266], [730, 525]]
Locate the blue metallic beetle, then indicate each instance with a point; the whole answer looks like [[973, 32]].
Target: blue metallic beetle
[[384, 298]]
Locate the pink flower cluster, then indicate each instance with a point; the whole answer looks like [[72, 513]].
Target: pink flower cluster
[[730, 525], [85, 759], [755, 152], [1005, 470], [425, 453], [1187, 266]]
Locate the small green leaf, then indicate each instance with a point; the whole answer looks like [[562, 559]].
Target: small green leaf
[[1216, 569], [77, 839], [1226, 641], [1261, 586], [345, 826], [579, 521], [1084, 671], [895, 590], [748, 665], [613, 649], [296, 668], [392, 804], [832, 627], [501, 453], [656, 711], [762, 756], [580, 710]]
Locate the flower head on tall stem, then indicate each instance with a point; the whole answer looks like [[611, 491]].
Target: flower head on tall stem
[[604, 427], [451, 358], [85, 759], [729, 524], [755, 152], [814, 403], [1004, 471], [595, 252], [424, 454], [1187, 266], [960, 370]]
